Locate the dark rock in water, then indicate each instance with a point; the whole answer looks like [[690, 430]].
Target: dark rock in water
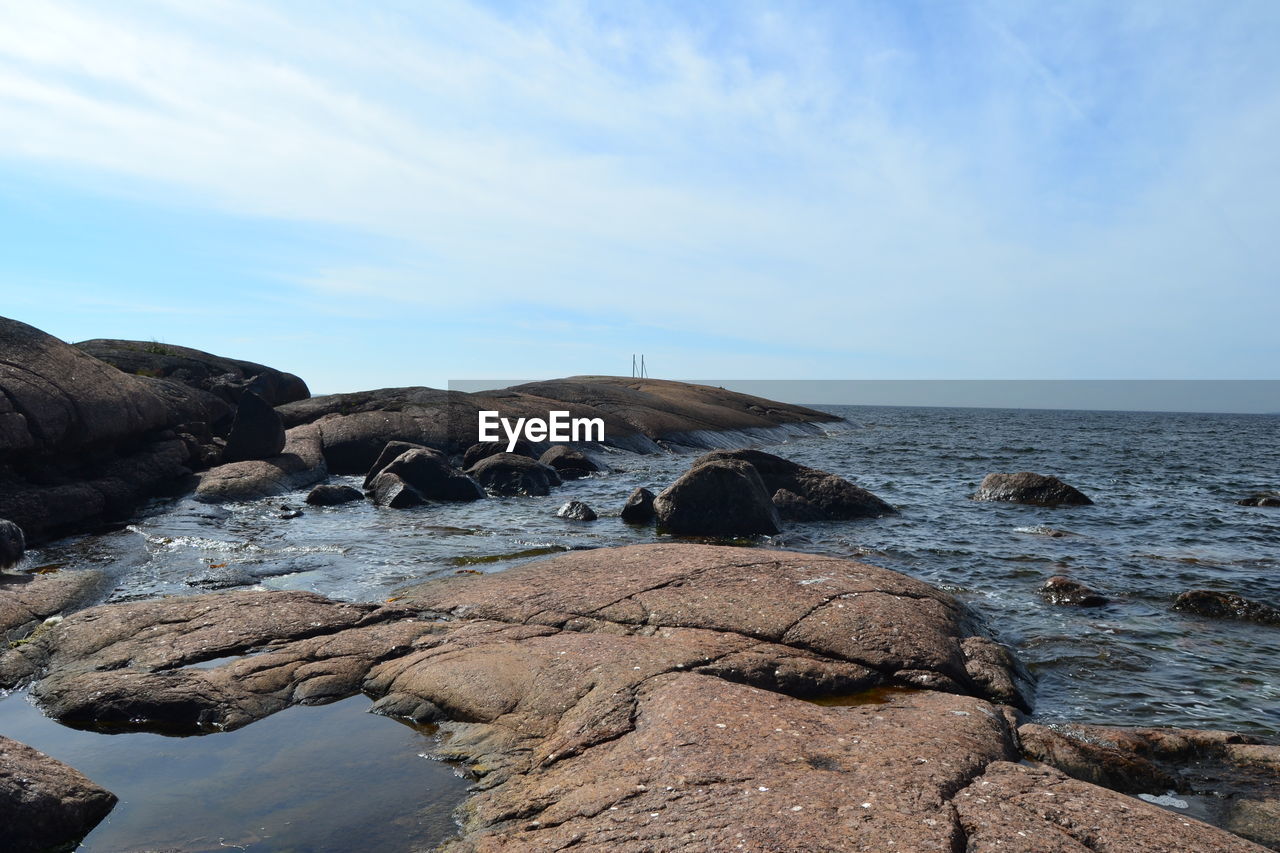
[[1041, 530], [44, 804], [1266, 499], [225, 377], [300, 464], [577, 511], [512, 474], [12, 544], [639, 507], [478, 452], [835, 497], [571, 464], [257, 431], [429, 473], [387, 456], [1063, 590], [719, 497], [287, 512], [1226, 605], [792, 507], [332, 494], [389, 490], [1028, 488]]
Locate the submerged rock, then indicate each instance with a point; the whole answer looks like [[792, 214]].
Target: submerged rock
[[1028, 488], [333, 494], [1060, 589], [12, 544], [44, 804], [639, 507], [577, 511], [512, 474], [1263, 499], [569, 463], [257, 431], [1226, 605], [717, 497]]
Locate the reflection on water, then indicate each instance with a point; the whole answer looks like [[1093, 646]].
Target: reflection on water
[[327, 778]]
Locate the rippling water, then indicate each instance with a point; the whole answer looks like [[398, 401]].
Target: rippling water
[[1164, 522]]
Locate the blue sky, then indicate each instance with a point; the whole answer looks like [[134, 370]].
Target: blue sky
[[408, 193]]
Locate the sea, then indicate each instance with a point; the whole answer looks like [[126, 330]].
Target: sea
[[1164, 521]]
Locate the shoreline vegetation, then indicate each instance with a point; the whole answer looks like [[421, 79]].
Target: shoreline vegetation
[[680, 694]]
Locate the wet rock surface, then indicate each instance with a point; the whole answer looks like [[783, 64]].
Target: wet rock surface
[[44, 804], [511, 474], [1262, 499], [639, 507], [1226, 605], [569, 463], [333, 494], [576, 511], [13, 544], [429, 473], [1060, 589], [1028, 488]]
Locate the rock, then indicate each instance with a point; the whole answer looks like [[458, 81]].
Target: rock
[[390, 490], [44, 804], [332, 494], [1063, 590], [429, 473], [226, 377], [288, 512], [301, 464], [569, 463], [1226, 605], [512, 474], [257, 431], [27, 600], [639, 507], [12, 544], [795, 508], [834, 497], [1028, 488], [387, 456], [577, 511], [719, 497], [1264, 499], [477, 452]]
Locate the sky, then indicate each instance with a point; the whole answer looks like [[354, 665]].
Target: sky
[[400, 193]]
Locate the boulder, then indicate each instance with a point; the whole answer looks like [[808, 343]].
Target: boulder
[[719, 497], [387, 456], [12, 544], [44, 804], [228, 378], [332, 494], [390, 490], [429, 473], [1060, 589], [301, 464], [793, 507], [512, 474], [576, 511], [477, 452], [1263, 499], [1028, 488], [1226, 605], [569, 463], [639, 507], [834, 497], [257, 431]]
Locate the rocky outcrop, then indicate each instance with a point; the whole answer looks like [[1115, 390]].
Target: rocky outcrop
[[717, 497], [576, 511], [834, 498], [570, 464], [333, 494], [44, 804], [639, 507], [13, 544], [512, 474], [1060, 589], [301, 464], [27, 600], [80, 442], [1028, 488], [227, 378], [1226, 605], [640, 415], [257, 431], [1263, 499]]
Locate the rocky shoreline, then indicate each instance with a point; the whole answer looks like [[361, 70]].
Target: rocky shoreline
[[652, 697]]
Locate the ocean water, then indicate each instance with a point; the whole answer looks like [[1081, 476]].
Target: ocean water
[[1164, 521]]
